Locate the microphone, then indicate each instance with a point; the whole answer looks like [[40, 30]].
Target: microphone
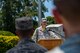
[[56, 32]]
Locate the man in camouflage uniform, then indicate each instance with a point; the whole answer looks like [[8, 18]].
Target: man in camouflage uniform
[[24, 30], [43, 33]]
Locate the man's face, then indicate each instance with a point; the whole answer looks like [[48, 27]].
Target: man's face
[[44, 23]]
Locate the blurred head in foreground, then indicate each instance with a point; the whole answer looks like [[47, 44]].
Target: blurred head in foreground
[[67, 12]]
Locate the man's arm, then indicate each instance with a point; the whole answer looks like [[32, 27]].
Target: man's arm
[[35, 35]]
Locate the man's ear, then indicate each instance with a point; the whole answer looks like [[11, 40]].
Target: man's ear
[[17, 33], [57, 16]]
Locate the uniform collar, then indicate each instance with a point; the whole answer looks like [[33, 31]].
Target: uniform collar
[[25, 41]]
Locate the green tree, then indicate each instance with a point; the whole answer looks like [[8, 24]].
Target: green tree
[[12, 9], [7, 16], [1, 20], [50, 20], [32, 9], [35, 24]]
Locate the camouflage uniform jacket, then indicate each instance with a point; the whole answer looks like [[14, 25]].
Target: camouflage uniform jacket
[[40, 34], [27, 46]]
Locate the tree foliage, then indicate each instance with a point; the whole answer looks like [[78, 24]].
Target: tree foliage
[[50, 20], [12, 9]]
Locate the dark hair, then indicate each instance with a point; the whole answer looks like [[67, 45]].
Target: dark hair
[[25, 33]]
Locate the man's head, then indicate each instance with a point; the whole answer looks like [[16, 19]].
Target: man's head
[[44, 22], [24, 27], [69, 13], [69, 9]]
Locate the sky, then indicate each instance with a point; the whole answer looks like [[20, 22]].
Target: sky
[[50, 6]]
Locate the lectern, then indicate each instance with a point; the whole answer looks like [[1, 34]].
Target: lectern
[[50, 43]]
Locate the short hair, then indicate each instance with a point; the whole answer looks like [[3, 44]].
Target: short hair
[[70, 9], [44, 20], [24, 23], [25, 33]]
